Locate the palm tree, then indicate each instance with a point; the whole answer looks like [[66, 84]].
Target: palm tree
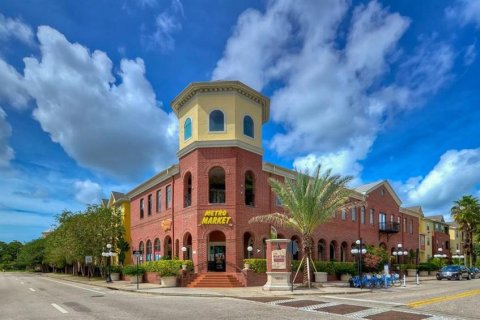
[[466, 212], [308, 202]]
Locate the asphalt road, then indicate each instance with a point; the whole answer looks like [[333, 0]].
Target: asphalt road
[[30, 296]]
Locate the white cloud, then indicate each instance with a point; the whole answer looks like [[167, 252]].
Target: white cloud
[[12, 86], [332, 83], [115, 128], [87, 192], [470, 54], [15, 28], [166, 24], [6, 152], [465, 11], [456, 174]]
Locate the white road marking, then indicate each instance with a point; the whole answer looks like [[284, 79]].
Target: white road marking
[[31, 289], [22, 282], [72, 285], [56, 306], [370, 301]]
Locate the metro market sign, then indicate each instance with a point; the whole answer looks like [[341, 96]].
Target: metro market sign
[[216, 217]]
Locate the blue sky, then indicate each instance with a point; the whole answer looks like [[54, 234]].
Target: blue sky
[[374, 89]]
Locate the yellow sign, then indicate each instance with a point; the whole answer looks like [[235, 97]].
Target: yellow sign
[[216, 217]]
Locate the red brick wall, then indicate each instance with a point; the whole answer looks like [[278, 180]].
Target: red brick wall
[[236, 162]]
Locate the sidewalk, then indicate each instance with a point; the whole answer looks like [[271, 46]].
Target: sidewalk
[[333, 288]]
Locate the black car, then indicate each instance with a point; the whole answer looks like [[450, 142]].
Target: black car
[[454, 272], [475, 272]]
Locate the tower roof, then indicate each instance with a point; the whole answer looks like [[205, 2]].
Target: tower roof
[[195, 88]]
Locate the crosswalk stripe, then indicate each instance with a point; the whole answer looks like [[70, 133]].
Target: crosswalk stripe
[[56, 306]]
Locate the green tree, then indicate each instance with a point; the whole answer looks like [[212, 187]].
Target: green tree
[[32, 254], [8, 255], [308, 202], [466, 212]]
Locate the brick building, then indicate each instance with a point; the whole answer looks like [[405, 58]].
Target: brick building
[[199, 208]]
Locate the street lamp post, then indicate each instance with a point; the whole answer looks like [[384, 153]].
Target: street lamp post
[[249, 249], [398, 252], [109, 254], [358, 250], [440, 254], [184, 250]]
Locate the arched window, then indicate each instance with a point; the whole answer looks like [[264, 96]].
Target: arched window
[[187, 185], [217, 121], [148, 257], [333, 248], [321, 250], [168, 247], [249, 189], [156, 249], [247, 242], [187, 243], [141, 248], [216, 185], [248, 128], [343, 252], [187, 129]]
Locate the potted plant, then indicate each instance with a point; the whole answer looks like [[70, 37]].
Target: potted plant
[[423, 269], [115, 272], [168, 272], [411, 270], [345, 270], [323, 269], [134, 272]]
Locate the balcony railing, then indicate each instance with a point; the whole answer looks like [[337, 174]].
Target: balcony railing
[[389, 227]]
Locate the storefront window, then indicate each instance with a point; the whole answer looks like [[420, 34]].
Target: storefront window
[[216, 179]]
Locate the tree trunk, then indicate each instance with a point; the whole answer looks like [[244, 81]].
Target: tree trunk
[[307, 253]]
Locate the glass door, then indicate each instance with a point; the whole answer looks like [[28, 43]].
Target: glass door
[[216, 258]]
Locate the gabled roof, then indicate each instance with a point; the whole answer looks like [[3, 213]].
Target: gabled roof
[[117, 198], [104, 203], [367, 188], [438, 218], [416, 209]]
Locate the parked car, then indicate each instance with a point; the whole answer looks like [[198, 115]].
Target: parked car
[[475, 272], [454, 272]]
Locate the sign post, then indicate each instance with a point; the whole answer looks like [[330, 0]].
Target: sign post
[[278, 266], [88, 262], [137, 254]]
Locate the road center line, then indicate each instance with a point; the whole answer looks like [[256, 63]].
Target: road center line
[[72, 285], [370, 301], [420, 303], [56, 306], [31, 289]]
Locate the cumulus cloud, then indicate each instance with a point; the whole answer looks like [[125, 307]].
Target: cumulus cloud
[[465, 11], [109, 126], [166, 24], [457, 173], [16, 29], [87, 192], [6, 152], [335, 76], [12, 87]]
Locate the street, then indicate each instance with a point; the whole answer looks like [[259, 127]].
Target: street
[[31, 296]]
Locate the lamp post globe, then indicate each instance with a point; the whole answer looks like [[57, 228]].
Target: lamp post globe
[[249, 249]]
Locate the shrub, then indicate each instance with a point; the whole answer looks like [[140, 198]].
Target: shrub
[[345, 268], [133, 270], [116, 269], [325, 266], [166, 268], [257, 265]]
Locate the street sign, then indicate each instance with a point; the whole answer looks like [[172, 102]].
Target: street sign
[[88, 259], [137, 253]]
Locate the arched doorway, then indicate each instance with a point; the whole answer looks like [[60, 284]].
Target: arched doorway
[[332, 250], [321, 250], [343, 252], [216, 251]]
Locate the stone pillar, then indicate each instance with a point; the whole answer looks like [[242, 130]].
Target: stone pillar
[[278, 266]]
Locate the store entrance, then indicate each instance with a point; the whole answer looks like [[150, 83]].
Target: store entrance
[[216, 257], [217, 252]]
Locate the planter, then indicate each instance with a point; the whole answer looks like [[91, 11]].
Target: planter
[[184, 267], [168, 281], [423, 273], [115, 276], [411, 272], [133, 279], [321, 277], [247, 266], [345, 277]]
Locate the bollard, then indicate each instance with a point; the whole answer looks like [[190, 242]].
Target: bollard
[[418, 280], [404, 281]]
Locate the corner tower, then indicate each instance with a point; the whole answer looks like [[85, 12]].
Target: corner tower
[[220, 114]]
